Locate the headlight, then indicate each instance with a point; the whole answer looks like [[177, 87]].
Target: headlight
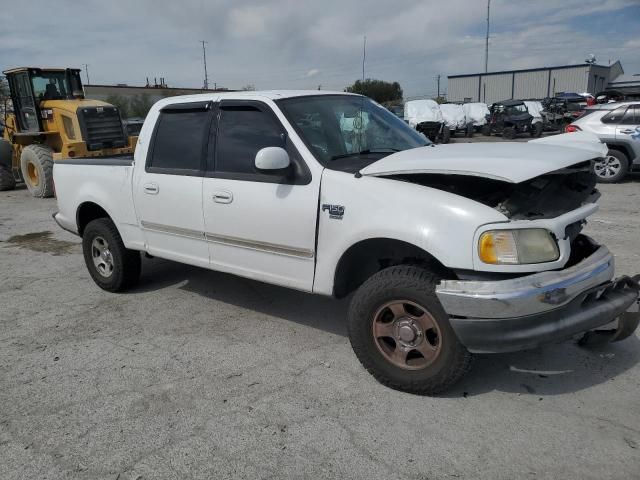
[[513, 247]]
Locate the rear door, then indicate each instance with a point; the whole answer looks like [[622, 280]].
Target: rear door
[[628, 128], [259, 225], [168, 191]]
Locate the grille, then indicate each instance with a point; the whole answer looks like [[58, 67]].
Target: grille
[[101, 127]]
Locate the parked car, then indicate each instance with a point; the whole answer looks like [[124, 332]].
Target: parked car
[[509, 118], [476, 113], [445, 249], [618, 126], [426, 117], [454, 118]]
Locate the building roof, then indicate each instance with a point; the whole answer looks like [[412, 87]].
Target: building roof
[[540, 69], [626, 80]]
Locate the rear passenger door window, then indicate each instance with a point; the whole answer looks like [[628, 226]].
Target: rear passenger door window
[[179, 140]]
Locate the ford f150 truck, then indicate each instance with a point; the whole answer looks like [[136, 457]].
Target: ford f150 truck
[[446, 250]]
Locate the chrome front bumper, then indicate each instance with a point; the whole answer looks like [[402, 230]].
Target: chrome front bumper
[[524, 312]]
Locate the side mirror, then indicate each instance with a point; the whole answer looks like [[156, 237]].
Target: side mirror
[[272, 158]]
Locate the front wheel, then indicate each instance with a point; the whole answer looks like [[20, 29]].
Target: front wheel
[[536, 130], [402, 335], [111, 265], [509, 133], [612, 168], [446, 134], [36, 163], [486, 130]]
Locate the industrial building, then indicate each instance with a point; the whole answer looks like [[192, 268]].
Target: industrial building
[[532, 83]]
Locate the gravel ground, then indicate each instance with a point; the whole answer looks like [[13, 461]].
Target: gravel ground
[[198, 374]]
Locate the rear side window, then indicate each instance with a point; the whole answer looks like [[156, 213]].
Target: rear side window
[[178, 142], [614, 116], [242, 132], [631, 116]]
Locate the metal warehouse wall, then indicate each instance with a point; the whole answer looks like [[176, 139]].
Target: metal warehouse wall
[[494, 88], [530, 84], [569, 80], [598, 78], [463, 87]]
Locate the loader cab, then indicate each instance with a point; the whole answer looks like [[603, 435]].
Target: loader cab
[[29, 87]]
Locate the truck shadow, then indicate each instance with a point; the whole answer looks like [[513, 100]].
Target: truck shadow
[[547, 371]]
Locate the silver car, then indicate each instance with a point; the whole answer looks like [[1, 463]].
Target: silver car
[[617, 125]]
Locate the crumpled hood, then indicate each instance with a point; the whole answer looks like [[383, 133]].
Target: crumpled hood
[[509, 161]]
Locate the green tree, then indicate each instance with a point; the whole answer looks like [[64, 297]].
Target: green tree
[[378, 90], [121, 102], [140, 105]]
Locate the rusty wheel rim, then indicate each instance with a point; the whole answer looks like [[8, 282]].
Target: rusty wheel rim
[[406, 334], [32, 173]]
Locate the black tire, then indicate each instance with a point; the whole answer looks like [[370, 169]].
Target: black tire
[[36, 163], [125, 263], [613, 168], [486, 130], [469, 131], [405, 284], [509, 133], [446, 134], [536, 129], [7, 182]]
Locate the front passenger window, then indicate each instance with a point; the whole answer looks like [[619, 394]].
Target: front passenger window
[[615, 116], [242, 132]]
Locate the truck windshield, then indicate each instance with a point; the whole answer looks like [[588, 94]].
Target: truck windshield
[[51, 86], [346, 131]]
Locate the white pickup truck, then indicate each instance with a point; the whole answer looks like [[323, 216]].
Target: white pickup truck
[[447, 250]]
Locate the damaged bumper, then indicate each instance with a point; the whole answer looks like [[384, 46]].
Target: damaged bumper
[[547, 307]]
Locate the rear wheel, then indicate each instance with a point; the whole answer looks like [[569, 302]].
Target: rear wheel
[[7, 182], [446, 134], [536, 129], [112, 266], [469, 131], [36, 163], [509, 133], [486, 130], [402, 335], [612, 168]]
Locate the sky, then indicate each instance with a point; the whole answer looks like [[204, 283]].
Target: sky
[[274, 44]]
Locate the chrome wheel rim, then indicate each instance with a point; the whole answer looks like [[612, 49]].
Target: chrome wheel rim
[[406, 334], [607, 167], [102, 256]]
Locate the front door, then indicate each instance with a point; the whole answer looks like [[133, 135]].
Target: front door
[[168, 191], [24, 103], [258, 225]]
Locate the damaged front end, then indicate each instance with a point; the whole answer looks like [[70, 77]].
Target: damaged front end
[[547, 196]]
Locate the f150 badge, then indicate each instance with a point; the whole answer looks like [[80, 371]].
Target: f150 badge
[[335, 211]]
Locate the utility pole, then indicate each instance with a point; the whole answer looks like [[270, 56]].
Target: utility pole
[[438, 80], [486, 45], [364, 56], [204, 59], [86, 71]]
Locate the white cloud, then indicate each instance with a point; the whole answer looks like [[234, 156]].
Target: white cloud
[[299, 43]]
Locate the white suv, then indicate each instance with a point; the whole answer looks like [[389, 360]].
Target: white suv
[[617, 125]]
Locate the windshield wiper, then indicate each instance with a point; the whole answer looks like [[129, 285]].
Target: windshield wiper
[[364, 152]]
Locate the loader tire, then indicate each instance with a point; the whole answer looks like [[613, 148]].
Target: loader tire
[[7, 182], [36, 163]]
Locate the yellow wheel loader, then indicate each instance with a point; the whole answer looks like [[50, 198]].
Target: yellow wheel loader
[[52, 120]]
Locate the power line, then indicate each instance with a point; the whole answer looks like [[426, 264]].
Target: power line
[[86, 71]]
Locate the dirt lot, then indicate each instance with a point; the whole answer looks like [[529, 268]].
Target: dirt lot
[[198, 374]]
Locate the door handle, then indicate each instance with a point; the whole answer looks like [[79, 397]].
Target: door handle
[[627, 131], [223, 196], [151, 188]]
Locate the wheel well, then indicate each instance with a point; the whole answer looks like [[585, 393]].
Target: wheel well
[[621, 148], [88, 212], [368, 257]]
